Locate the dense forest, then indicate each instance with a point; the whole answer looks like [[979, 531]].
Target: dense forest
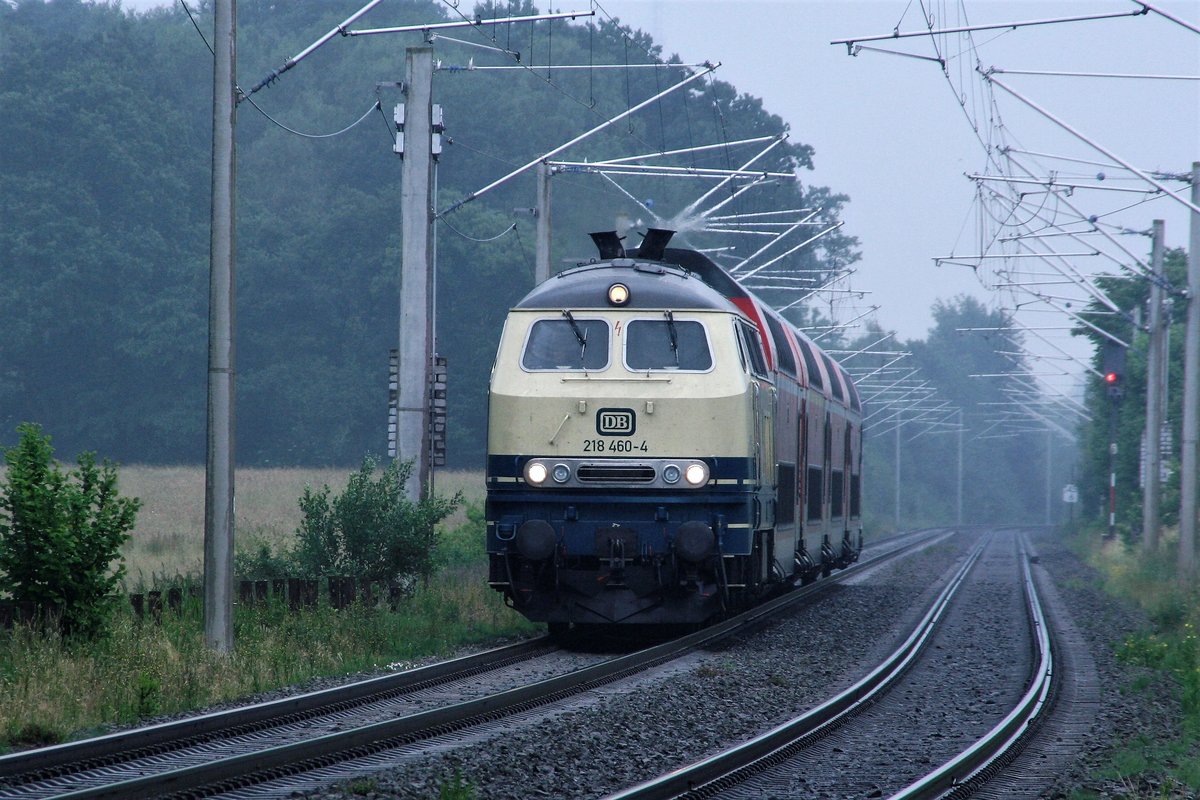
[[104, 225], [104, 212]]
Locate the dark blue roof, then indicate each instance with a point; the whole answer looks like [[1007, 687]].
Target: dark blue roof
[[652, 284]]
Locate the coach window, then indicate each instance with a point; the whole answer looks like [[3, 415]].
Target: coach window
[[785, 510], [810, 363], [834, 382], [855, 403], [837, 490], [787, 362], [667, 343], [814, 492], [566, 343]]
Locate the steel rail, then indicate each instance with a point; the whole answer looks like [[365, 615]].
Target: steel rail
[[34, 764], [977, 762], [244, 769], [733, 765]]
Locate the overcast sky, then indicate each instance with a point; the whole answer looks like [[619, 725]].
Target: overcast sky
[[889, 132]]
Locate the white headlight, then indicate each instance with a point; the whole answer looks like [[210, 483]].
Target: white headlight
[[618, 294], [536, 473], [696, 474]]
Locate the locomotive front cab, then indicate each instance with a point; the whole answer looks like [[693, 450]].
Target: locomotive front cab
[[622, 476]]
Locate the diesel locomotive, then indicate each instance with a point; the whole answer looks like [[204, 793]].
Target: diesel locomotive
[[663, 447]]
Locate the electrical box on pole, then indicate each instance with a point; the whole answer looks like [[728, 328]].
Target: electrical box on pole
[[393, 417], [437, 409], [437, 412]]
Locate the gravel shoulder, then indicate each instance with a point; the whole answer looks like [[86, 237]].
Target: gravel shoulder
[[1132, 704]]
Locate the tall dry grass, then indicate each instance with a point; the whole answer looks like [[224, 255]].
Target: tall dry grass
[[168, 539], [52, 690]]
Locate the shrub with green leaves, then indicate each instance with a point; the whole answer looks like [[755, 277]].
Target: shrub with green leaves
[[61, 533], [371, 530]]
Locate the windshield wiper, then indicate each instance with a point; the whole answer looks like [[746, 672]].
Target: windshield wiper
[[673, 334], [579, 334]]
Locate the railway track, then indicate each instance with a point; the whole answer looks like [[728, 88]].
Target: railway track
[[90, 765], [223, 751], [767, 765]]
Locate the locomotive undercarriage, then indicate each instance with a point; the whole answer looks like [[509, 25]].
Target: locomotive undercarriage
[[620, 586], [664, 561], [590, 590]]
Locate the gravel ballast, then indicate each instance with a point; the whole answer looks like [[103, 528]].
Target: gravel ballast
[[671, 716]]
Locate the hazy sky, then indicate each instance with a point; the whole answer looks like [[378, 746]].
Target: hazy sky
[[889, 131]]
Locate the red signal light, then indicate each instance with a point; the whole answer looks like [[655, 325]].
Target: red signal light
[[1110, 378]]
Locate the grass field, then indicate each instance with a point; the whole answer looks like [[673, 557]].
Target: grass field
[[168, 540], [52, 690]]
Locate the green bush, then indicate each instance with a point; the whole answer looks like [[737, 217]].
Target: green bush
[[60, 533], [255, 559], [371, 530], [465, 545]]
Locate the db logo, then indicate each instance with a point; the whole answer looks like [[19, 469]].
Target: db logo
[[615, 422]]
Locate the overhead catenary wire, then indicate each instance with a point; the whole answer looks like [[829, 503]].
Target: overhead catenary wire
[[374, 106]]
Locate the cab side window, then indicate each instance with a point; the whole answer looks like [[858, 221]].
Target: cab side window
[[750, 346]]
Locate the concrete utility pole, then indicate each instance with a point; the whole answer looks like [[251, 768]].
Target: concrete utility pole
[[1191, 397], [1156, 364], [541, 271], [416, 270], [219, 470], [899, 423], [1049, 470], [959, 494]]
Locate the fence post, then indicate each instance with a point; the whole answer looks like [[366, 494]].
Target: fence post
[[175, 599]]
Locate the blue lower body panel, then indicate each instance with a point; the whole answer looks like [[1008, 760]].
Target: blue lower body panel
[[638, 557]]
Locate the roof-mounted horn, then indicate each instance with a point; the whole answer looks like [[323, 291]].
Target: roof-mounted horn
[[654, 243], [609, 244]]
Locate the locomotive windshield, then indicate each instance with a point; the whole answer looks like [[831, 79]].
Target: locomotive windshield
[[567, 343], [667, 344]]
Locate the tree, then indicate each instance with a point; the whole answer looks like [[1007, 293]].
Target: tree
[[1129, 293], [61, 533], [104, 214]]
